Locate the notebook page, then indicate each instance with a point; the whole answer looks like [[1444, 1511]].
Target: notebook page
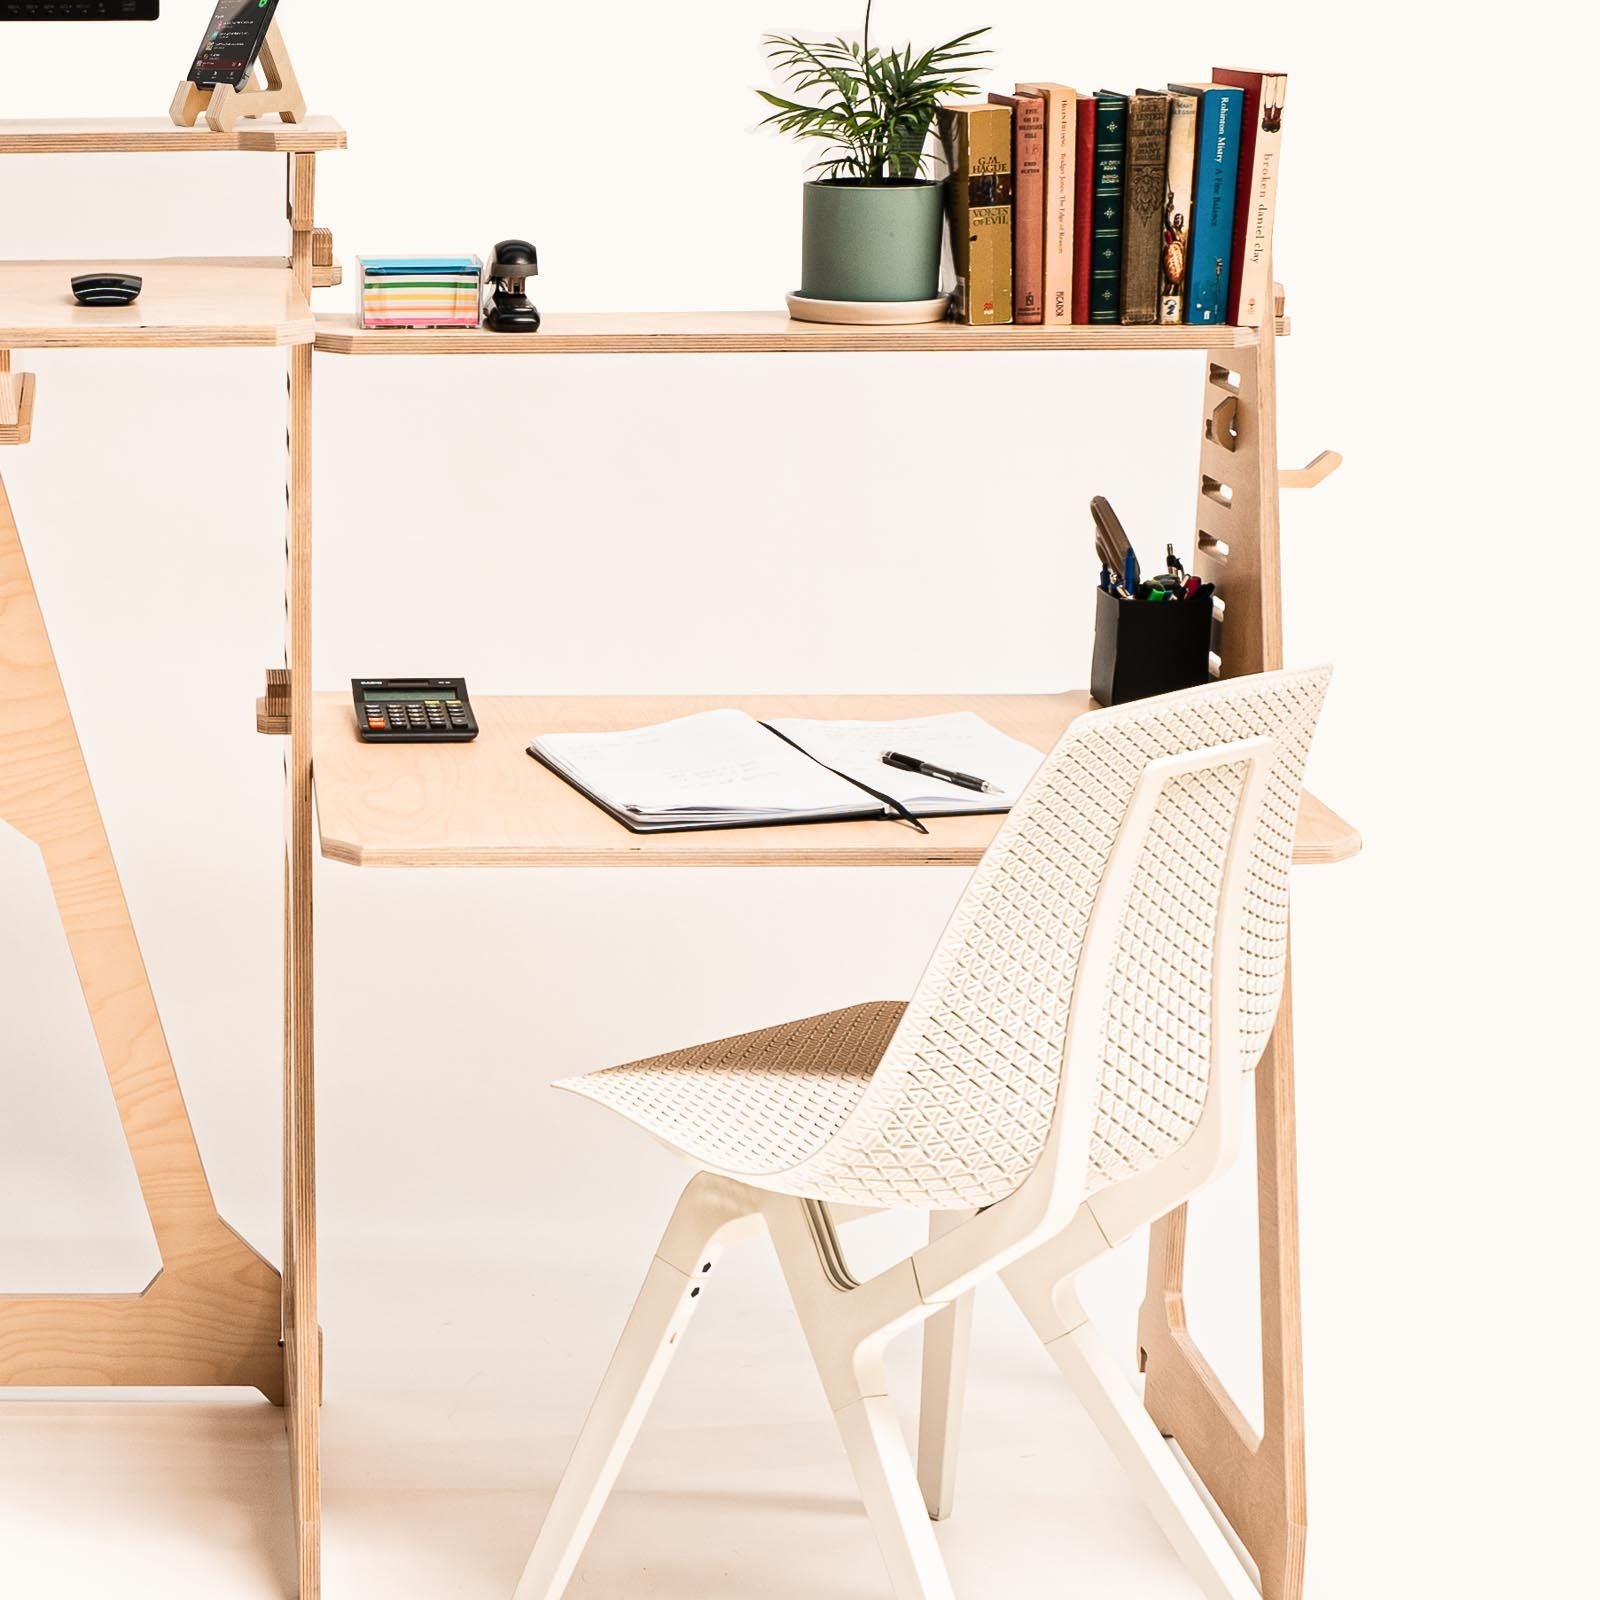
[[960, 740], [714, 763]]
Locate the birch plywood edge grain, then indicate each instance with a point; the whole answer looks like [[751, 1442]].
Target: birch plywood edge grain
[[16, 407], [748, 333], [489, 804], [302, 1335], [211, 1316], [186, 303], [158, 136]]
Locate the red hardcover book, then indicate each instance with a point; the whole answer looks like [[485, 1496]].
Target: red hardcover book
[[1257, 184], [1027, 217], [1083, 228]]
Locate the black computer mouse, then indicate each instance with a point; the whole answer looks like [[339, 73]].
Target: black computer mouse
[[106, 289]]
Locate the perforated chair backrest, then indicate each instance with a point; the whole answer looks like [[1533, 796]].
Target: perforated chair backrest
[[961, 1106]]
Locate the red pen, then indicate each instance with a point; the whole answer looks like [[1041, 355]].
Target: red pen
[[1191, 588]]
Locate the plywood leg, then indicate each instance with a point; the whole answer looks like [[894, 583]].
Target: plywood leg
[[302, 1339], [210, 1316], [1258, 1482]]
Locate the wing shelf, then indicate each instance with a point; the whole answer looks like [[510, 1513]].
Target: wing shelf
[[196, 303], [158, 135], [746, 333]]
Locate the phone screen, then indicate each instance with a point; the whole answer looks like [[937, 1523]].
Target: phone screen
[[234, 36]]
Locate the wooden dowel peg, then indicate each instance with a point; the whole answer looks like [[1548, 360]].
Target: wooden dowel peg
[[1314, 471]]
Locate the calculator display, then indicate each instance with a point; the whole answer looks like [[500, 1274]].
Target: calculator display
[[396, 696]]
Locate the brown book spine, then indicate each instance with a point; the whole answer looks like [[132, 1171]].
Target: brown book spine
[[977, 143], [1060, 195], [1027, 223], [1146, 191]]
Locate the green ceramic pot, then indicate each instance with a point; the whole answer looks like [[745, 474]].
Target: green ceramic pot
[[872, 241]]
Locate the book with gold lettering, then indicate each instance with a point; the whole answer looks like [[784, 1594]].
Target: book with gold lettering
[[1027, 212], [1110, 197], [1146, 186], [1260, 140], [1178, 212], [977, 145], [1060, 195]]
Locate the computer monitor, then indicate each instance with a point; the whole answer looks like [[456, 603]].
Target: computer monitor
[[79, 10]]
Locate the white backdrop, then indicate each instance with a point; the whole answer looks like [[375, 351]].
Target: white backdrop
[[748, 523]]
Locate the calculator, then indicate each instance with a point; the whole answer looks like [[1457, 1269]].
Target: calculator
[[413, 710]]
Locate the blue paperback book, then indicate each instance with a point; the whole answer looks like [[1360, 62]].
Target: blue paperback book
[[1216, 187]]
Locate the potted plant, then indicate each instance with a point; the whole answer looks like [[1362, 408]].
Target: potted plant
[[873, 227]]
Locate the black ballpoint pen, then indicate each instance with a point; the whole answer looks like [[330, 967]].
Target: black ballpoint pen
[[965, 780]]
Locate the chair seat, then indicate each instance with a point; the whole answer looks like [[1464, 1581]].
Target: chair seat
[[757, 1105]]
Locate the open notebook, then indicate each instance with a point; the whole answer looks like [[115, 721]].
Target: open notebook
[[724, 769]]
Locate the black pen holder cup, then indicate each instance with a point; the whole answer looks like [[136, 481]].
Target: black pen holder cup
[[1146, 647]]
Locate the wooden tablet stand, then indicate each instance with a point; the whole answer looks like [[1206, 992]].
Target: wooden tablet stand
[[225, 107]]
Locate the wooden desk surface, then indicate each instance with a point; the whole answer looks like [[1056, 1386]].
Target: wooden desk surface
[[488, 804], [194, 303]]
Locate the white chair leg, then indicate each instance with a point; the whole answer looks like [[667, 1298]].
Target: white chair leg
[[671, 1292], [946, 1347], [1116, 1409], [847, 1326], [888, 1484]]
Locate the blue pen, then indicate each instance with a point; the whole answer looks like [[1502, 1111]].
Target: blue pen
[[1130, 572], [1105, 578]]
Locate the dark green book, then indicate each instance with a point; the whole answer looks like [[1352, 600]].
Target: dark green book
[[1110, 152]]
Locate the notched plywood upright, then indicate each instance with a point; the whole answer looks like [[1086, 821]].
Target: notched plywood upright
[[211, 1315], [1257, 1480]]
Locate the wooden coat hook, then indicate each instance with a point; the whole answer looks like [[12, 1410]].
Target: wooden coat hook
[[225, 107], [1314, 471]]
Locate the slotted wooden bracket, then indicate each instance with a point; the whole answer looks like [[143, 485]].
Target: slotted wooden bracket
[[272, 710], [16, 407], [225, 107], [1314, 471], [326, 273]]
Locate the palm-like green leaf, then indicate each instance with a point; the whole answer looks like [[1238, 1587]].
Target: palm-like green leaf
[[872, 107]]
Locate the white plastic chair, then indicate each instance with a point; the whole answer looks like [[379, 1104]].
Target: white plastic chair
[[1071, 1067]]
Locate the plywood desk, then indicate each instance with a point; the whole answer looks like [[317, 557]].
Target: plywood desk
[[488, 804]]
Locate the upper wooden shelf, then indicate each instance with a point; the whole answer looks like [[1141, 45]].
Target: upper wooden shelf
[[745, 332], [489, 804], [154, 135], [186, 304]]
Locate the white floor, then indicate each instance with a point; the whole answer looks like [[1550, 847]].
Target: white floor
[[453, 1395]]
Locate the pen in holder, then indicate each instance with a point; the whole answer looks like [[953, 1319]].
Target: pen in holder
[[1147, 647]]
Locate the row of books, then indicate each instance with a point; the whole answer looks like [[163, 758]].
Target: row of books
[[1154, 207]]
